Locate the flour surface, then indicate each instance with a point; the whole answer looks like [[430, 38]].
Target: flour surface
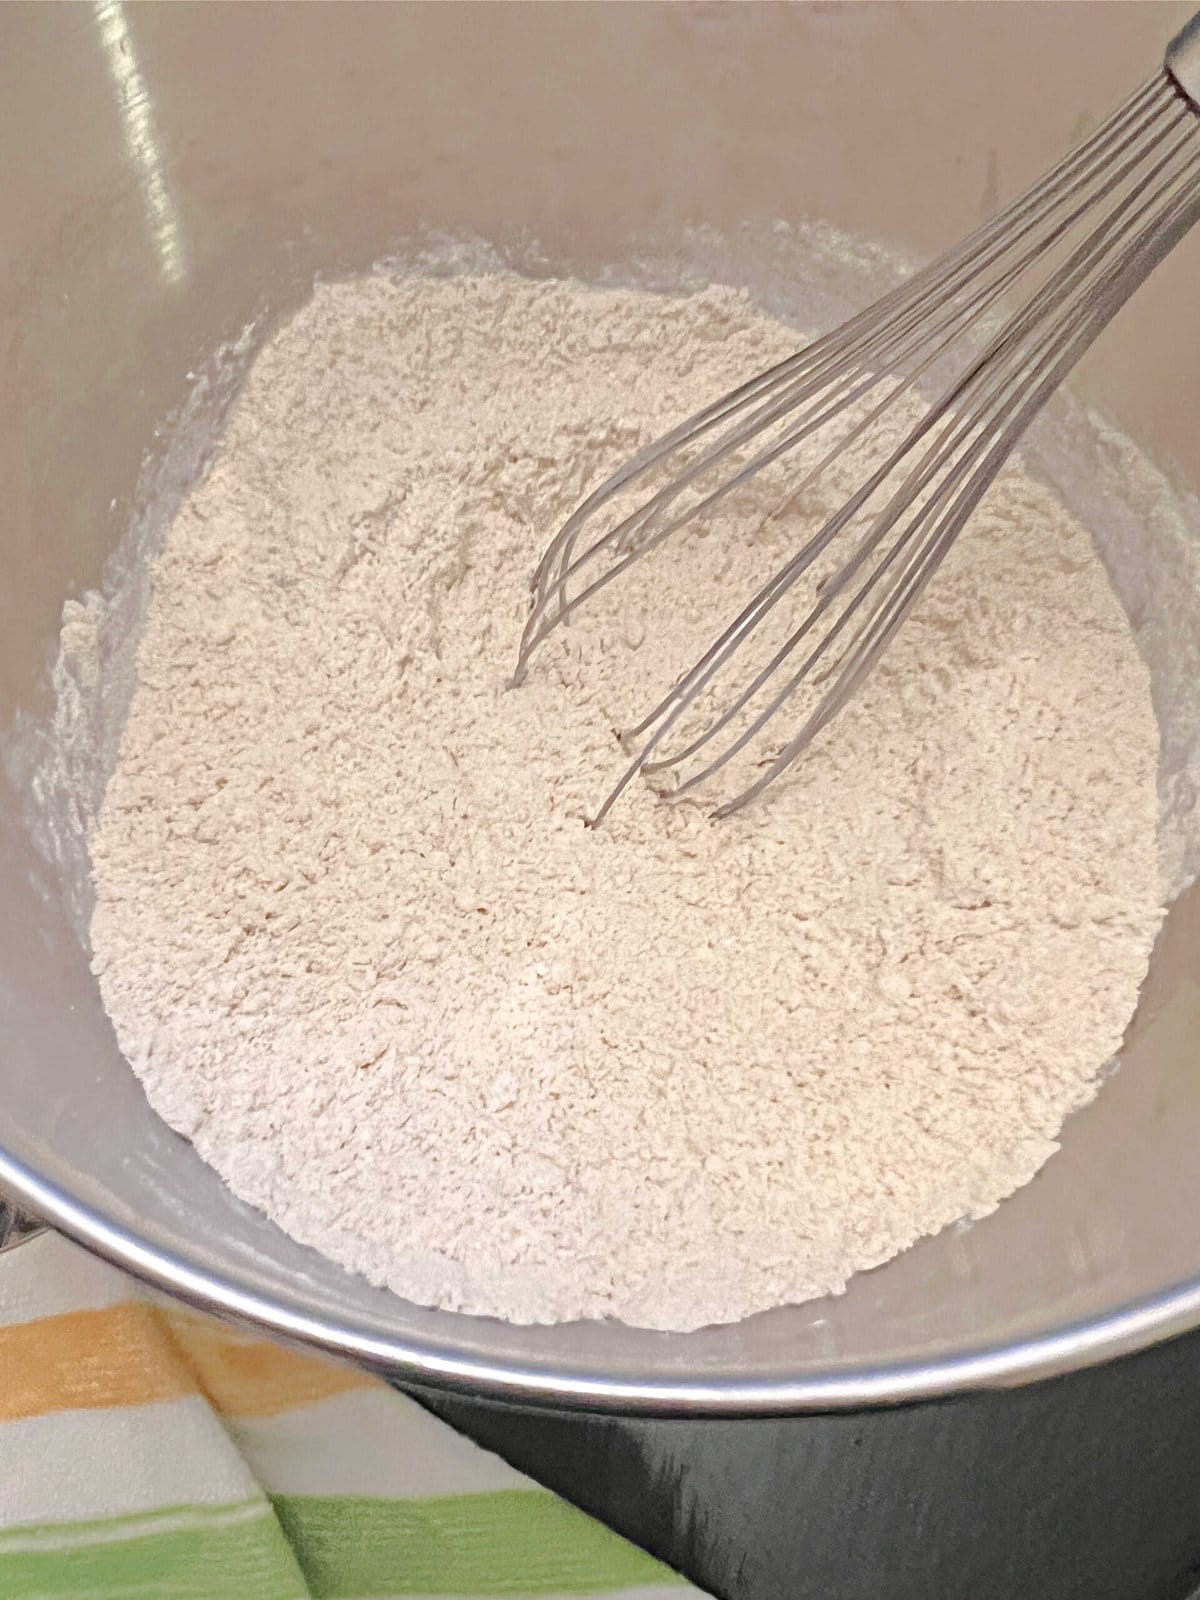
[[361, 949]]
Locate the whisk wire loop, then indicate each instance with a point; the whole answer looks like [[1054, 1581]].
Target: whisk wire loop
[[1088, 232]]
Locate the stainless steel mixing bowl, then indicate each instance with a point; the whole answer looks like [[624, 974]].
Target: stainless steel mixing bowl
[[170, 173]]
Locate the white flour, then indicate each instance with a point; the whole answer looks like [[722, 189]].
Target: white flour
[[360, 948]]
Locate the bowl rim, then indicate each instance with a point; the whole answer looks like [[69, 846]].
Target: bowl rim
[[562, 1386]]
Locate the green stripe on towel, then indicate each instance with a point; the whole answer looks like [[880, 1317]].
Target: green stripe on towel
[[178, 1553], [509, 1542]]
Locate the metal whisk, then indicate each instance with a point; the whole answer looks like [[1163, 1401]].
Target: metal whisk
[[1084, 237]]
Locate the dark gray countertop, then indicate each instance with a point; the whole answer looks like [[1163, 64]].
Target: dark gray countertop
[[1084, 1488]]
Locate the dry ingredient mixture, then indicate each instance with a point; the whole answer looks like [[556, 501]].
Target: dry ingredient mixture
[[361, 949]]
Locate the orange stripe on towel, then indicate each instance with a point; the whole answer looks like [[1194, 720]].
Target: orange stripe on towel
[[135, 1354], [85, 1360], [245, 1376]]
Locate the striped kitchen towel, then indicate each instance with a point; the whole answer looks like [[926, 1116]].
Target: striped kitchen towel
[[149, 1452]]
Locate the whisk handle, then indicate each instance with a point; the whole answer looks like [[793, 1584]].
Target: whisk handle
[[1183, 59]]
